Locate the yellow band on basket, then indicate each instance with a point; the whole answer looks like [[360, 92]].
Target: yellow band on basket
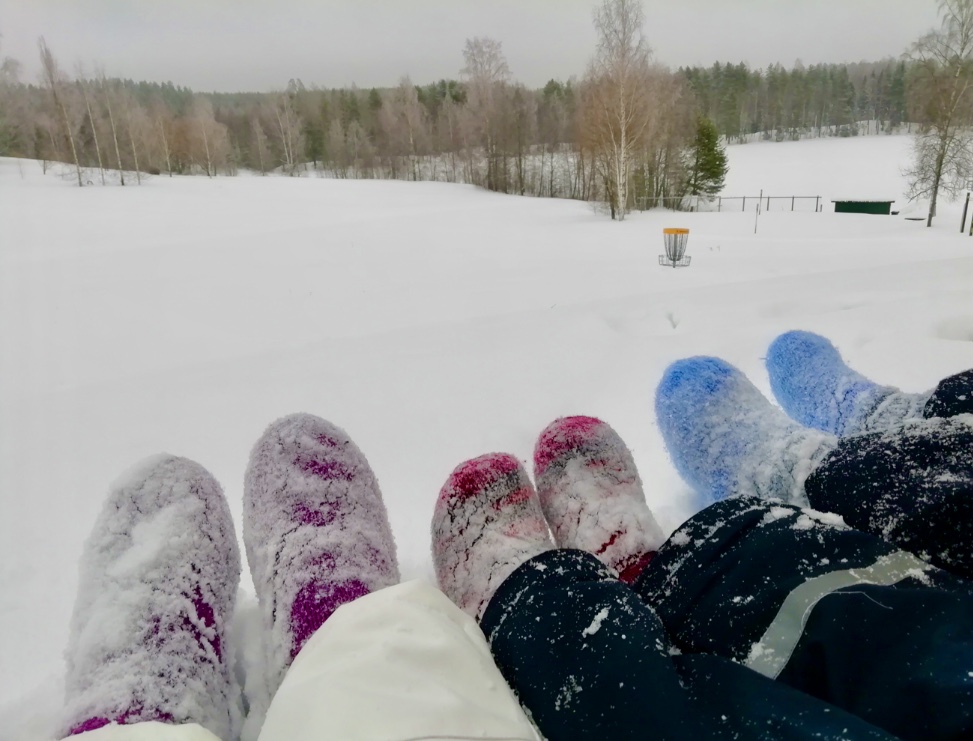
[[675, 231]]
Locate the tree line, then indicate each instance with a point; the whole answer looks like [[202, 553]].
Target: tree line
[[822, 99], [630, 132]]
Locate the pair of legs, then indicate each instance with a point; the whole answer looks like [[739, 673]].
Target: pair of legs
[[890, 463], [159, 576], [842, 619]]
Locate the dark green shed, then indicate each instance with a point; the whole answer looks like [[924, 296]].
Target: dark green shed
[[880, 208]]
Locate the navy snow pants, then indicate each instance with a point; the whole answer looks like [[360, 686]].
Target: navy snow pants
[[760, 620], [590, 660], [912, 486], [838, 614]]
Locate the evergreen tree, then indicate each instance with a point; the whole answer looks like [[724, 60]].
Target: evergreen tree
[[708, 166], [897, 96]]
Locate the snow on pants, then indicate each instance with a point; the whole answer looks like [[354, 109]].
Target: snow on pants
[[834, 612], [402, 663], [912, 486], [590, 660]]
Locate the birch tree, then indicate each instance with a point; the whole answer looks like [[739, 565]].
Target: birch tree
[[258, 145], [616, 100], [405, 123], [54, 80], [448, 128], [942, 93], [108, 98], [486, 72], [209, 140], [162, 124], [522, 135], [289, 130], [136, 128]]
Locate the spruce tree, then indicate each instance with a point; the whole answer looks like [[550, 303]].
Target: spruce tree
[[708, 166]]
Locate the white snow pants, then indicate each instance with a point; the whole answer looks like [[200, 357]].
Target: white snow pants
[[400, 664]]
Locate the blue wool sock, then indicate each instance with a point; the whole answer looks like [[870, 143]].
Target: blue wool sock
[[726, 439], [816, 388]]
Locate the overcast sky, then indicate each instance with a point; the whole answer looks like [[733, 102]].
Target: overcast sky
[[259, 45]]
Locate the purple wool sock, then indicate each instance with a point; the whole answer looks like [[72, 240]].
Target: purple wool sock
[[315, 603], [158, 581], [316, 532]]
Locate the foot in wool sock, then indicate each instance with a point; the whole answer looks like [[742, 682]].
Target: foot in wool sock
[[592, 496], [815, 387], [726, 439], [157, 585], [487, 522], [316, 531]]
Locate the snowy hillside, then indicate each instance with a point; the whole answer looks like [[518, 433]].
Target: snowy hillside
[[433, 322]]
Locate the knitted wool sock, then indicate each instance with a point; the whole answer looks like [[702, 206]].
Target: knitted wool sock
[[815, 387], [316, 531], [726, 439], [157, 586], [486, 523], [592, 496]]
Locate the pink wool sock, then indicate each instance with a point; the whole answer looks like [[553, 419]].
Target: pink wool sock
[[487, 522], [591, 494], [316, 531]]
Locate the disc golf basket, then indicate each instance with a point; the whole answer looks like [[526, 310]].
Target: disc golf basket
[[676, 241]]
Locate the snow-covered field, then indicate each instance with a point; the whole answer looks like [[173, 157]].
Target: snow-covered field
[[434, 322]]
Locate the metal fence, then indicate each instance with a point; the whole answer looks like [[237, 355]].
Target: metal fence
[[732, 204], [767, 203], [676, 203]]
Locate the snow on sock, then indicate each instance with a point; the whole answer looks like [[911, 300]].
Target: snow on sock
[[315, 529], [486, 523], [157, 584], [815, 387], [726, 439], [591, 494]]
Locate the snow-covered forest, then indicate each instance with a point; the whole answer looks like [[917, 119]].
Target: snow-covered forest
[[483, 127], [631, 133]]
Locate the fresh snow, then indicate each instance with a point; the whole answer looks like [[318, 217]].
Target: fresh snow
[[432, 322], [596, 623]]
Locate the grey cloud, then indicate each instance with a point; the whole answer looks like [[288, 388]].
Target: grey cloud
[[260, 44]]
